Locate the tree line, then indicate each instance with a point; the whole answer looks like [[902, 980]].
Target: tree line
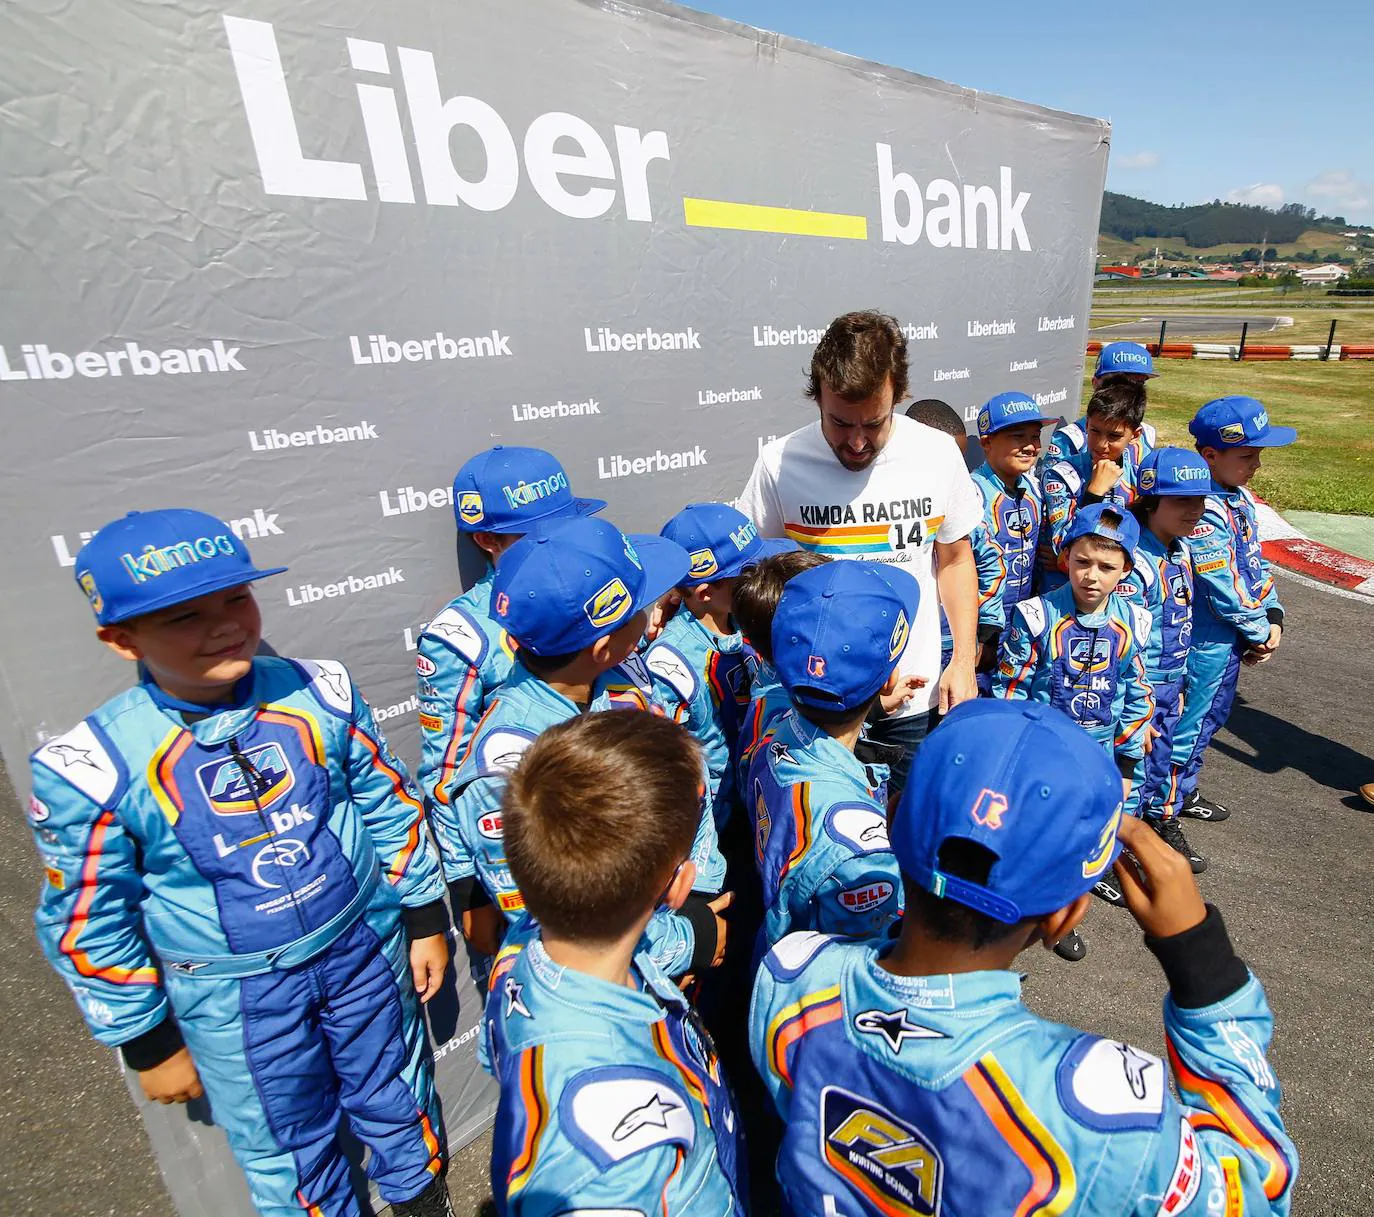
[[1214, 223]]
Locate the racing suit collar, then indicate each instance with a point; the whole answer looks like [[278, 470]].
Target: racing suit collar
[[522, 678], [211, 725], [964, 993], [726, 643], [590, 994], [827, 750]]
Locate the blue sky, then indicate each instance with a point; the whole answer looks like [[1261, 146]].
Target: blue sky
[[1254, 102]]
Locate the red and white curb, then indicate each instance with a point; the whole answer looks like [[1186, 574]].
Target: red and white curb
[[1294, 551]]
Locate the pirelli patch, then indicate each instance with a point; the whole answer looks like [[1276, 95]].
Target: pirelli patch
[[1207, 568], [431, 722], [55, 878], [511, 902]]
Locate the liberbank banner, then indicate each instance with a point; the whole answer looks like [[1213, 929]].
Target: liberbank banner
[[292, 263]]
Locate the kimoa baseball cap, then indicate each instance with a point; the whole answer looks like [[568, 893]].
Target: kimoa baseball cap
[[1027, 783], [1124, 357], [1173, 473], [510, 489], [1238, 422], [840, 629], [1105, 520], [1009, 410], [720, 541], [569, 582], [150, 560]]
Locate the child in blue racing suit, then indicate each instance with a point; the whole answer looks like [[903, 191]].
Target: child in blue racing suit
[[910, 1077], [613, 1099], [1116, 362], [240, 889], [820, 815], [1237, 618]]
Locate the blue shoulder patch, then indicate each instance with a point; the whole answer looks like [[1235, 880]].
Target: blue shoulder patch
[[1110, 1086], [613, 1112]]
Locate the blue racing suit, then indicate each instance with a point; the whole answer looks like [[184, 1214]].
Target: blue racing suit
[[820, 836], [613, 1100], [1004, 554], [523, 708], [1161, 582], [1091, 666], [1235, 604], [1073, 437], [768, 702], [242, 879], [1065, 484], [944, 1094], [711, 678], [464, 657]]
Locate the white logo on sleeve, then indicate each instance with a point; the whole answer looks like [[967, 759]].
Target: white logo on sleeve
[[667, 663], [1114, 1079], [80, 758], [332, 683], [619, 1113], [501, 750], [862, 829], [456, 630]]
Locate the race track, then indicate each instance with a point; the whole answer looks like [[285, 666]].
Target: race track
[[1293, 871], [1192, 324]]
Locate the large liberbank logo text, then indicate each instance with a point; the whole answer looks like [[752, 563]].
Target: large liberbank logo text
[[570, 165]]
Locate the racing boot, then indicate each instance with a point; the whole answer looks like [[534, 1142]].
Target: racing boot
[[1071, 947], [1172, 834], [1108, 889], [1367, 793], [1198, 808], [432, 1202]]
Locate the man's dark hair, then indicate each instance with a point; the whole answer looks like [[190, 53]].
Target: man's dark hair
[[940, 415], [948, 920], [588, 860], [758, 591], [1121, 401], [857, 353]]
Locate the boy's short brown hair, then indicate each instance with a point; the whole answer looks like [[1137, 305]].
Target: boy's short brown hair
[[856, 354], [597, 815], [758, 591], [1120, 400]]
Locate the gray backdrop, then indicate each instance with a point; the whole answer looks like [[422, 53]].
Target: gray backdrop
[[292, 263]]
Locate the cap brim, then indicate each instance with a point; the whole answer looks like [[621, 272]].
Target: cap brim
[[1017, 422], [237, 579], [1275, 437], [576, 509], [664, 563], [768, 546]]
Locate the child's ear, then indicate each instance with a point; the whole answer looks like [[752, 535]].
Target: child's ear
[[120, 639], [1060, 924], [681, 886], [984, 442]]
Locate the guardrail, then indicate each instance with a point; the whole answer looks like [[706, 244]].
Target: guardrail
[[1319, 352]]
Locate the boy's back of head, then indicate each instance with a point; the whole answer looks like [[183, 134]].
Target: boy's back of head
[[597, 816], [760, 588], [720, 541], [1010, 814], [1120, 400], [940, 415]]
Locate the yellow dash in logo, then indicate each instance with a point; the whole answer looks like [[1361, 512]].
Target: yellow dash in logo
[[1095, 865], [749, 217], [609, 605]]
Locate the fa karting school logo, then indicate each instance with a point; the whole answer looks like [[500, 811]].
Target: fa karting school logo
[[235, 788], [703, 565], [1232, 433], [900, 632], [470, 509], [1090, 654], [882, 1158], [610, 603], [1018, 522]]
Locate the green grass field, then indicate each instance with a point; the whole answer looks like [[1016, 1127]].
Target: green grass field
[[1330, 468]]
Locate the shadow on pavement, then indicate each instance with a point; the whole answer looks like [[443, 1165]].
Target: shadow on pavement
[[1275, 745]]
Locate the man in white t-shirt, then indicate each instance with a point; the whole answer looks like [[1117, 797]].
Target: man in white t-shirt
[[865, 482]]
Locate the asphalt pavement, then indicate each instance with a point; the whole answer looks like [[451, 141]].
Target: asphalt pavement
[[1192, 324], [1292, 870]]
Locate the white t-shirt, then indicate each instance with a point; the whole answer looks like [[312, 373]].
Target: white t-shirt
[[915, 492]]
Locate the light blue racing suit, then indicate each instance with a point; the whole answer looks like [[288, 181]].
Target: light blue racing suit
[[1091, 666], [1235, 604], [945, 1095], [820, 836], [1073, 437], [1161, 582], [1065, 484], [1004, 553], [613, 1101], [768, 702], [241, 879]]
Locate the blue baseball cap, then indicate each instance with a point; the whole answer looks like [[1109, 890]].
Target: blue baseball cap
[[840, 629], [511, 489], [568, 583], [1027, 783], [1124, 357], [1009, 410], [720, 541], [1173, 473], [1238, 422], [1089, 522], [150, 560]]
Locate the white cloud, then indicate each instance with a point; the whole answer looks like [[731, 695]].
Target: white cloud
[[1263, 194], [1341, 189], [1136, 160]]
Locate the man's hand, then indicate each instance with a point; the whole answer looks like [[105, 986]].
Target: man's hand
[[903, 693], [428, 961], [484, 927], [718, 906], [1162, 895], [662, 612], [1152, 733], [1106, 474], [174, 1081], [958, 683]]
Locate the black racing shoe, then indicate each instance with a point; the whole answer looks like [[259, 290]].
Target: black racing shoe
[[1171, 832], [1108, 889], [432, 1202], [1071, 947], [1198, 808]]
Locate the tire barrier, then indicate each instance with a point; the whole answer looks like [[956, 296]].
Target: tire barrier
[[1253, 351]]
